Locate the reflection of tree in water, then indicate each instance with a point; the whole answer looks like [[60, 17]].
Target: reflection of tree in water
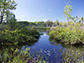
[[10, 51], [57, 52], [31, 43], [11, 45], [73, 55], [51, 56], [53, 42]]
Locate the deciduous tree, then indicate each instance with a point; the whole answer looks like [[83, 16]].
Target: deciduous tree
[[5, 9], [67, 12]]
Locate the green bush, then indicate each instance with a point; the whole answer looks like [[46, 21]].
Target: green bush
[[18, 37], [72, 35], [14, 56]]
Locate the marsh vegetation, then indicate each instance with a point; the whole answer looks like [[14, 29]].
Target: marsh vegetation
[[40, 42]]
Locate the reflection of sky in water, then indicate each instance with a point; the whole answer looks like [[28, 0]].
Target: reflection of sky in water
[[52, 51]]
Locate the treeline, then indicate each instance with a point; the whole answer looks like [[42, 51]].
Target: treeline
[[39, 23]]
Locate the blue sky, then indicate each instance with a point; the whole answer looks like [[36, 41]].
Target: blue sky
[[39, 10]]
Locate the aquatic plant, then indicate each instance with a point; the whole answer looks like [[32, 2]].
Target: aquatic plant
[[14, 56], [73, 55]]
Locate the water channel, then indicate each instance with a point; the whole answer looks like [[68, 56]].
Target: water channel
[[55, 52], [51, 50]]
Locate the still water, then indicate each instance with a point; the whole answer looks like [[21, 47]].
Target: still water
[[52, 51]]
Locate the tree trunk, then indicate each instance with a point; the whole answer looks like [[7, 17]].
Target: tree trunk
[[0, 12], [1, 18], [7, 18], [2, 15]]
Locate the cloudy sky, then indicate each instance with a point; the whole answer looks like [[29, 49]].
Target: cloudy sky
[[39, 10]]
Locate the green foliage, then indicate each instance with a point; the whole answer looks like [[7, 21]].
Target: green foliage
[[73, 55], [4, 26], [20, 37], [22, 24], [43, 29], [57, 22], [13, 56], [5, 7], [65, 35], [12, 22], [67, 12]]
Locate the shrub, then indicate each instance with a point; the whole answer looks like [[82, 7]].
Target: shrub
[[72, 35], [14, 56], [18, 37]]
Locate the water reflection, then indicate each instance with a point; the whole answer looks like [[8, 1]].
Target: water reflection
[[48, 50], [72, 54], [53, 52]]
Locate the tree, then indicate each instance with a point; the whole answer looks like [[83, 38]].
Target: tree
[[75, 19], [82, 20], [67, 12], [57, 22], [12, 21], [49, 23], [5, 7]]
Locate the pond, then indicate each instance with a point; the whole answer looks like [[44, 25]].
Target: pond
[[52, 51], [47, 49]]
